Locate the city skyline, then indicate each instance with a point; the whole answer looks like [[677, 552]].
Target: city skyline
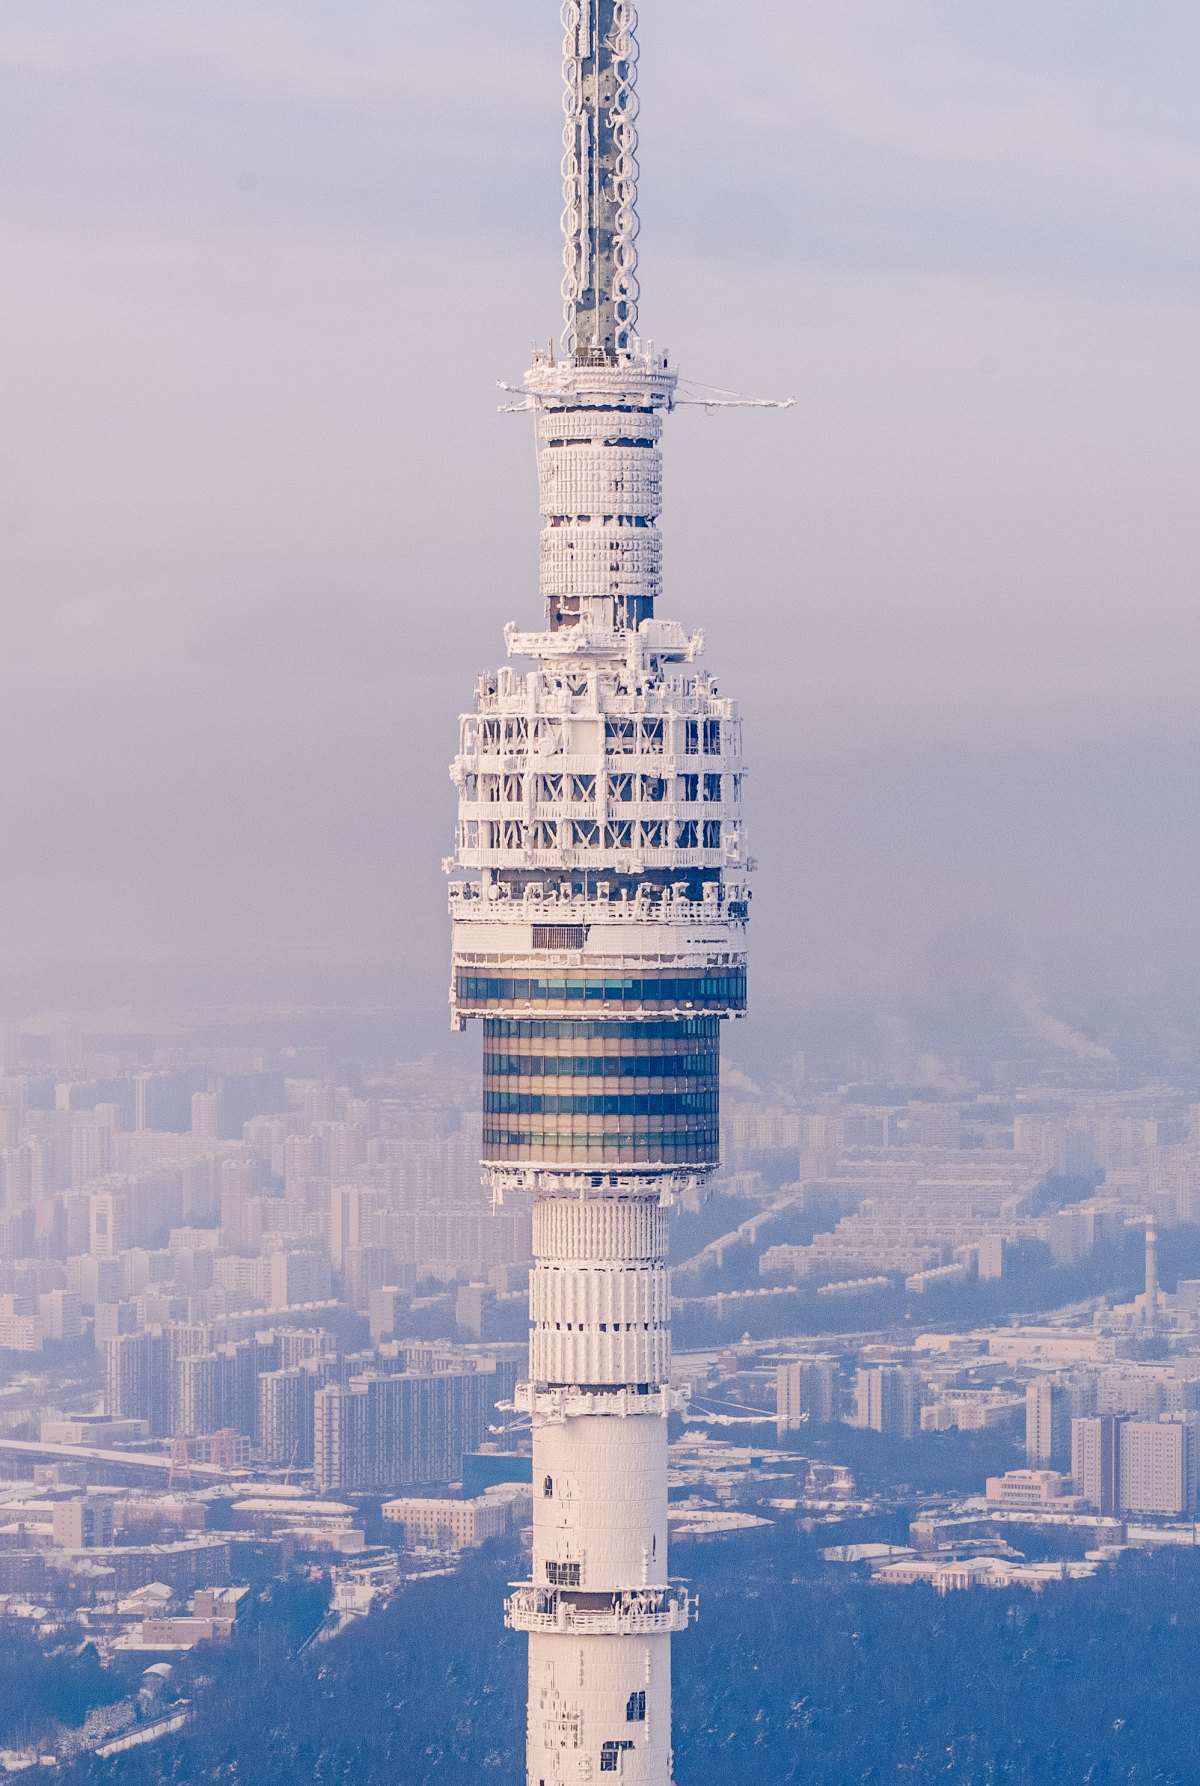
[[378, 1405]]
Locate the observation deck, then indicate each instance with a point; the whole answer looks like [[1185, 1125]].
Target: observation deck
[[553, 1406], [639, 1612]]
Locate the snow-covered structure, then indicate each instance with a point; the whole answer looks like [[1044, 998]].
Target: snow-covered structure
[[599, 900]]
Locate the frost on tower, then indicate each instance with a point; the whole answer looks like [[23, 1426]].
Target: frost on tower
[[599, 912]]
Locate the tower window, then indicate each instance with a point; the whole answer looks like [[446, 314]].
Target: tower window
[[712, 787], [548, 1488], [712, 737], [691, 737], [712, 834], [635, 1708]]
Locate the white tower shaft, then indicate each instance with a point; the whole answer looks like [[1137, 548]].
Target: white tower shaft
[[599, 913]]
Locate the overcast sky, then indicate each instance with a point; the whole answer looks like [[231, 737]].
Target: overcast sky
[[260, 523]]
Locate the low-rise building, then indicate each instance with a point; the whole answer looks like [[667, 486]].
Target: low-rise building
[[93, 1429], [449, 1525], [981, 1411], [184, 1633], [988, 1572], [1027, 1490]]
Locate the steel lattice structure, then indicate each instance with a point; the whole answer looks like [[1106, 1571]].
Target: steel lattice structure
[[599, 898]]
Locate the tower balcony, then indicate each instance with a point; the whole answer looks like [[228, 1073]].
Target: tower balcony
[[638, 1612], [552, 1406], [667, 1185]]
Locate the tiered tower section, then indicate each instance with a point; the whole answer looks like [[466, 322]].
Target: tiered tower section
[[599, 902]]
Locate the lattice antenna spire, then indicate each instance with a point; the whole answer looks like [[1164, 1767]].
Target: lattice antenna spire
[[600, 288]]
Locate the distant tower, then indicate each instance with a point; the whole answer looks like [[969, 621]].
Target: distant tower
[[599, 906], [1151, 1275]]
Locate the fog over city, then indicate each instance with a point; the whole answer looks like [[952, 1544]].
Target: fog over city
[[262, 268]]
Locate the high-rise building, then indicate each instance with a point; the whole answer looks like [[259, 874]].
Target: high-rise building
[[398, 1430], [197, 1403], [382, 1308], [206, 1114], [345, 1220], [91, 1153], [237, 1387], [1157, 1466], [344, 1146], [301, 1165], [1047, 1423], [298, 1278], [1051, 1405], [137, 1378], [1096, 1460], [109, 1224], [806, 1393], [285, 1416], [364, 1269], [475, 1311], [991, 1256], [887, 1399], [599, 901], [60, 1314]]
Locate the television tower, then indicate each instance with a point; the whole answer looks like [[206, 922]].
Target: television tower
[[1152, 1297], [599, 907]]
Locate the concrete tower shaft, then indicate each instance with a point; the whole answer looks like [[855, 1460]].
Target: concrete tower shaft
[[600, 479], [599, 1299], [599, 899]]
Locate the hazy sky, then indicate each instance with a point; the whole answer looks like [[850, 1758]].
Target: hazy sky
[[260, 524]]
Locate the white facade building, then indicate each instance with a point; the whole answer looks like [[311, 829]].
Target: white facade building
[[1027, 1490], [1158, 1466], [450, 1525]]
